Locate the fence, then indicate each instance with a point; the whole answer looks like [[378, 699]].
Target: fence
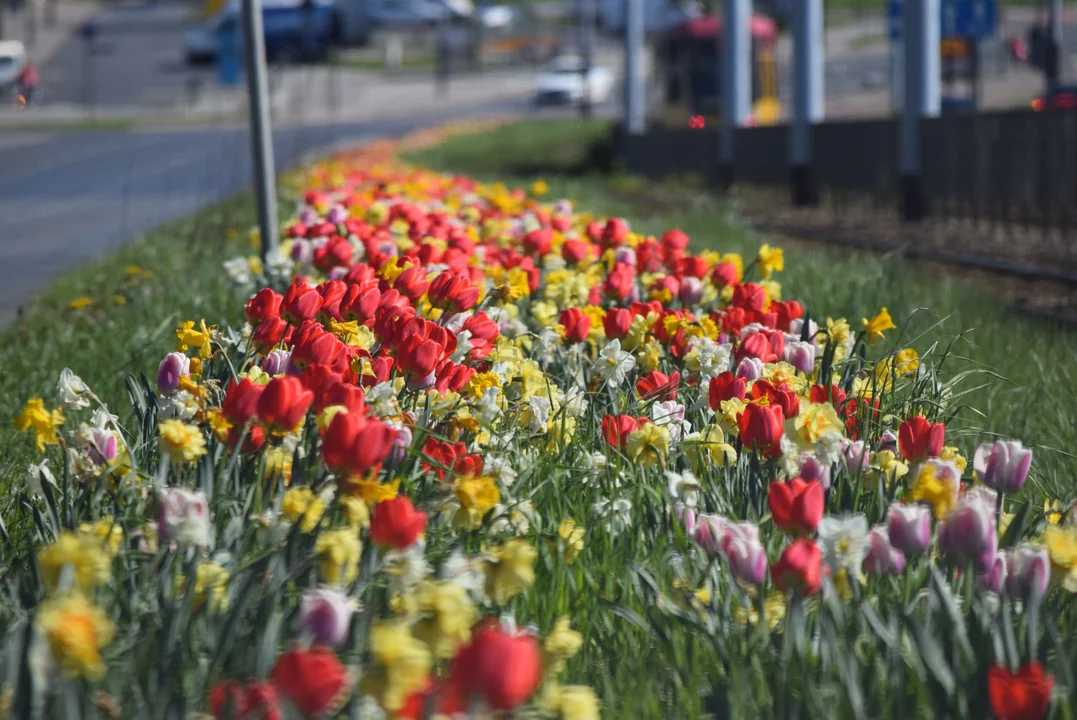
[[1014, 168]]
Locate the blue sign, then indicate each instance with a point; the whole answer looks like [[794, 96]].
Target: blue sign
[[229, 49], [959, 18]]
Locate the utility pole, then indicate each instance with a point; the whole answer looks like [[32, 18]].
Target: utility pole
[[1055, 52], [921, 25], [587, 42], [807, 97], [634, 89], [261, 132], [735, 81]]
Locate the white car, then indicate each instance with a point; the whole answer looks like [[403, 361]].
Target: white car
[[12, 61], [565, 80]]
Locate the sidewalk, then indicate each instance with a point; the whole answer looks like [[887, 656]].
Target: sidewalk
[[41, 41]]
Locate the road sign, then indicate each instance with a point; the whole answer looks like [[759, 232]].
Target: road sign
[[960, 18]]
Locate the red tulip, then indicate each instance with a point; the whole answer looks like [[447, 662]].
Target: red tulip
[[796, 506], [919, 439], [760, 426], [332, 292], [692, 266], [799, 569], [268, 334], [820, 394], [284, 403], [229, 700], [502, 669], [339, 438], [614, 232], [372, 445], [300, 302], [781, 395], [575, 251], [1024, 695], [396, 523], [484, 333], [656, 385], [577, 324], [724, 274], [616, 429], [442, 454], [241, 401], [319, 379], [412, 283], [453, 292], [264, 305], [538, 241], [617, 323], [349, 396], [620, 281], [675, 239], [314, 680], [749, 296], [767, 348], [418, 357], [726, 387]]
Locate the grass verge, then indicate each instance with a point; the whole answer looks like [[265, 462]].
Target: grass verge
[[1025, 382]]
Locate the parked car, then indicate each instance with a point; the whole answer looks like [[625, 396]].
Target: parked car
[[12, 61], [565, 81], [1060, 98], [283, 24]]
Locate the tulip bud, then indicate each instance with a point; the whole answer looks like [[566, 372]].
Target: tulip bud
[[796, 327], [800, 568], [691, 291], [883, 558], [1002, 465], [277, 362], [686, 516], [174, 367], [102, 447], [183, 517], [750, 368], [747, 557], [968, 532], [908, 528], [994, 580], [337, 215], [624, 255], [338, 273], [812, 469], [856, 456], [710, 529], [800, 355], [1029, 569], [326, 614]]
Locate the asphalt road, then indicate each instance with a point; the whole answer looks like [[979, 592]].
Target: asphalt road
[[67, 197]]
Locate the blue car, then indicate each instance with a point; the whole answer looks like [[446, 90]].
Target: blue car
[[293, 30]]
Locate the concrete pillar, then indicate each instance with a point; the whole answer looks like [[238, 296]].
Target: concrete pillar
[[921, 27], [807, 97], [634, 90], [735, 82]]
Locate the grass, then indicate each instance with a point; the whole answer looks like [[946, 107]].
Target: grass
[[1026, 384], [130, 325], [607, 592]]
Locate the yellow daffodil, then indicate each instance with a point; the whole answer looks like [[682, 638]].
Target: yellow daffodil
[[446, 614], [85, 554], [771, 260], [561, 644], [874, 328], [302, 504], [75, 631], [571, 538], [477, 496], [182, 443], [338, 554], [43, 422], [1061, 544], [648, 445], [510, 570], [401, 664], [935, 491]]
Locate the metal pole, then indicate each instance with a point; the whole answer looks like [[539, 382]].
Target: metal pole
[[1055, 53], [807, 96], [922, 38], [587, 42], [735, 83], [634, 115], [261, 132], [897, 75]]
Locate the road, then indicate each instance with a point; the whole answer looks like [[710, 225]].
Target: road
[[69, 197]]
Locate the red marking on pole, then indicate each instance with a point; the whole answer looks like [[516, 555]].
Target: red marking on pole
[[695, 122]]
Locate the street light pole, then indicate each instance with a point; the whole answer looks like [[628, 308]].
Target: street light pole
[[634, 114], [261, 130], [587, 41], [735, 82], [921, 26]]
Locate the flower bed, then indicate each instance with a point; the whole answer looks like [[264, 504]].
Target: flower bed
[[475, 450]]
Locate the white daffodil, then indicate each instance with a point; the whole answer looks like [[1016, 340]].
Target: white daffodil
[[614, 364], [844, 541], [72, 391], [684, 488], [615, 515]]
